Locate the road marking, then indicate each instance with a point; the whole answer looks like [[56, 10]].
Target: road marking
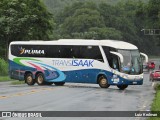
[[33, 91], [3, 97], [153, 83]]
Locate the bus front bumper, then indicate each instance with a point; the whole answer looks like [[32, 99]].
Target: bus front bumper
[[123, 81]]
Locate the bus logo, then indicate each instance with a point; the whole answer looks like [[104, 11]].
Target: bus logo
[[21, 51], [32, 51]]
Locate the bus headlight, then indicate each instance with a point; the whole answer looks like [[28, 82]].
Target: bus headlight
[[125, 76]]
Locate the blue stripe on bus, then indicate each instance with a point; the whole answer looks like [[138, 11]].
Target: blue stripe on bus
[[76, 76]]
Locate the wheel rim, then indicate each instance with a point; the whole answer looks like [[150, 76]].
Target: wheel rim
[[29, 79], [103, 81], [40, 79]]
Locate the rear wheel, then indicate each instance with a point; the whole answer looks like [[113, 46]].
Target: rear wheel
[[103, 82], [59, 83], [122, 87], [29, 79], [40, 79]]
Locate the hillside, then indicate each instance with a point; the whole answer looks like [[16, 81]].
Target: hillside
[[54, 6], [114, 27]]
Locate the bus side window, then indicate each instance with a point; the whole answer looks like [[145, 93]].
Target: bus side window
[[114, 62], [91, 52]]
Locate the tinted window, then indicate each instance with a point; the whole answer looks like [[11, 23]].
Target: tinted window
[[112, 59], [57, 51], [90, 52]]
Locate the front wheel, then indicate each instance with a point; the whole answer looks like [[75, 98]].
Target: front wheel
[[29, 79], [59, 83], [40, 79], [103, 82], [122, 87]]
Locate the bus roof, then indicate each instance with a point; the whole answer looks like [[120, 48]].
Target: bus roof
[[111, 43]]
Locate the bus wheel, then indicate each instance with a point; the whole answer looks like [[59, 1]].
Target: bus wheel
[[29, 79], [122, 87], [59, 83], [40, 79], [103, 82]]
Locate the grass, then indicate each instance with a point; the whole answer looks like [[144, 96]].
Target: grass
[[4, 73], [4, 78], [154, 57], [156, 103], [3, 67], [13, 82], [17, 82]]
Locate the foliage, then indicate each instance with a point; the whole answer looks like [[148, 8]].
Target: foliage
[[156, 103], [55, 6], [96, 19], [99, 20], [5, 78], [17, 82], [24, 20], [153, 17], [81, 20], [3, 67]]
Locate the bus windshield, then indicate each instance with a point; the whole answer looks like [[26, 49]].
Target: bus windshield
[[132, 63]]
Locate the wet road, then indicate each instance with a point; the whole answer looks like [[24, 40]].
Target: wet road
[[76, 97]]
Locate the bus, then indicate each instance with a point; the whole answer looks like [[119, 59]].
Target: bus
[[103, 62]]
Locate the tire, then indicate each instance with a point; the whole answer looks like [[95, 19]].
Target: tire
[[103, 82], [29, 79], [122, 87], [40, 79], [151, 79], [59, 83]]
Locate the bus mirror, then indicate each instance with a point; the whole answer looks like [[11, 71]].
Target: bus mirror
[[145, 56], [118, 54]]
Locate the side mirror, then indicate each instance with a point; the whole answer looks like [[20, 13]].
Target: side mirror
[[145, 56], [119, 55]]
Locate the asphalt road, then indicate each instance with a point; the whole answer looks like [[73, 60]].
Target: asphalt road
[[76, 97]]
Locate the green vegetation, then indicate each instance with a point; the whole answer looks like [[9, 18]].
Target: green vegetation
[[57, 5], [17, 82], [86, 19], [23, 20], [99, 20], [3, 67], [156, 103], [4, 70], [13, 82], [4, 78]]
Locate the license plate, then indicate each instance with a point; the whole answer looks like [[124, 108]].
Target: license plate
[[134, 82]]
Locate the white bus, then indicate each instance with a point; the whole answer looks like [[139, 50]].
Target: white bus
[[103, 62]]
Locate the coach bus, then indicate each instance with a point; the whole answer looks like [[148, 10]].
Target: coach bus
[[103, 62]]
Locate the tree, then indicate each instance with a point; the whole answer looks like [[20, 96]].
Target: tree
[[153, 11], [24, 20], [82, 20]]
